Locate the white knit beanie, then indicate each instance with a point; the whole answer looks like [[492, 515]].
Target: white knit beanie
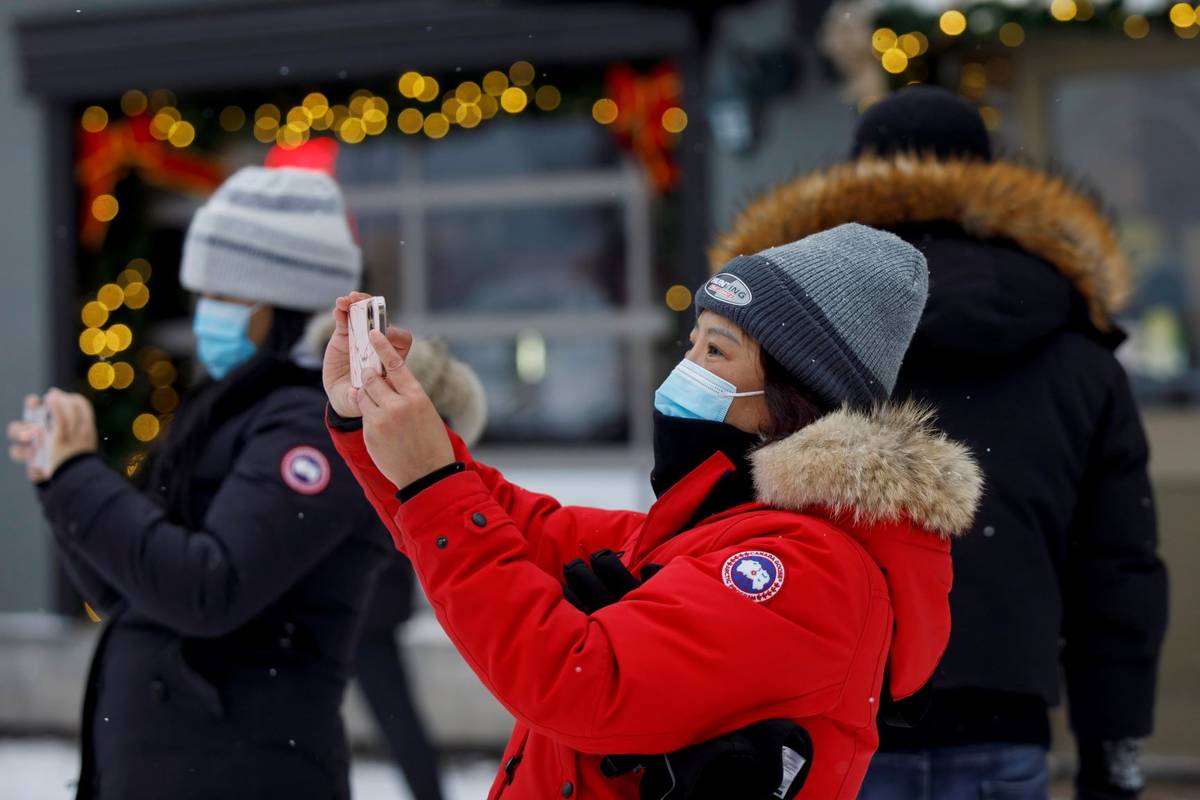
[[276, 236]]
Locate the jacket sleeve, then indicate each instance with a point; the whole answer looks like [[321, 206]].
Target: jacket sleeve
[[98, 593], [259, 536], [1115, 585], [678, 660], [552, 529]]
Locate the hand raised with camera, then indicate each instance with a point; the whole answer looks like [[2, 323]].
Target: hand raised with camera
[[72, 433], [335, 370], [404, 433]]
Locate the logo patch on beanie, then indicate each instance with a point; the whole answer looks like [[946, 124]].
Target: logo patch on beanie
[[728, 289], [305, 470], [755, 574]]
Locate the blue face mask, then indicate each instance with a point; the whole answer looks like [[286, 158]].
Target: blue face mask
[[222, 338], [692, 392]]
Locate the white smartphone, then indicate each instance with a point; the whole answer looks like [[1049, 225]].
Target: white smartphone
[[365, 316], [40, 417]]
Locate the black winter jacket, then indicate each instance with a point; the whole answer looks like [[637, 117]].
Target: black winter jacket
[[227, 649], [1015, 352]]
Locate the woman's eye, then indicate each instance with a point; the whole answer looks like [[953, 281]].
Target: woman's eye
[[713, 351]]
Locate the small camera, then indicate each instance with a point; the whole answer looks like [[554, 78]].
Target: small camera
[[365, 316]]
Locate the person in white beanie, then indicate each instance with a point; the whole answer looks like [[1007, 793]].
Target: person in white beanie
[[233, 573]]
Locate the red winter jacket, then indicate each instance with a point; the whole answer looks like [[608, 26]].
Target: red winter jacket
[[788, 607]]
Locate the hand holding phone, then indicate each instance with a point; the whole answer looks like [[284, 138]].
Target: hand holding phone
[[364, 317], [39, 419]]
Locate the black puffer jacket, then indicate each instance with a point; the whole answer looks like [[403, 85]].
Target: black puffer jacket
[[228, 645], [227, 649], [1015, 352]]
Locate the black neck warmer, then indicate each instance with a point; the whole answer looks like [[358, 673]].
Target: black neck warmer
[[681, 445]]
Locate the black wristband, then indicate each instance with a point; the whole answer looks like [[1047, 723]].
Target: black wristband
[[421, 484], [340, 423]]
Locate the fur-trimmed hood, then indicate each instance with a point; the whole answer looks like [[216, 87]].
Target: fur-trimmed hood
[[1043, 214], [453, 387], [901, 489], [885, 465]]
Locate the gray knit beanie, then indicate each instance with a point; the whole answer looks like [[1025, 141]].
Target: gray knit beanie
[[837, 309], [277, 236]]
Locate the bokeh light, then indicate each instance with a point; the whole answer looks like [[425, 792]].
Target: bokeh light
[[1183, 15], [164, 400], [521, 73], [111, 296], [1012, 34], [674, 120], [895, 61], [146, 427], [232, 118], [604, 111], [316, 104], [953, 23], [181, 134], [1136, 26], [436, 125], [137, 295], [883, 40], [547, 98], [468, 92], [514, 100], [410, 121], [429, 90], [161, 372], [91, 341], [468, 115], [101, 375], [1063, 10], [118, 338], [352, 130], [94, 119], [134, 102], [679, 298], [142, 266], [495, 82], [94, 314], [105, 208], [122, 375]]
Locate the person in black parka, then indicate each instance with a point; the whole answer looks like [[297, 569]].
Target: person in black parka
[[1015, 352], [234, 579]]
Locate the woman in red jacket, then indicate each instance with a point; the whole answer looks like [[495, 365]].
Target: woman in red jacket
[[795, 566]]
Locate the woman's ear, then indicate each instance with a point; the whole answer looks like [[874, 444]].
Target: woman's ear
[[260, 325]]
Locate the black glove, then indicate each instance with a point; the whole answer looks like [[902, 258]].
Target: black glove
[[1110, 770], [605, 582], [767, 760]]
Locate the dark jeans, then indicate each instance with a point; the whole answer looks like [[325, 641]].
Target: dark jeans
[[970, 772]]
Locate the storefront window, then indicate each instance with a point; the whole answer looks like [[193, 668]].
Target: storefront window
[[1143, 162]]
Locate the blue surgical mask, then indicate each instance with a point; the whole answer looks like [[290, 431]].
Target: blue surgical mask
[[692, 392], [222, 335]]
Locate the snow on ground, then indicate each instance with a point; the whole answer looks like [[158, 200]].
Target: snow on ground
[[45, 769]]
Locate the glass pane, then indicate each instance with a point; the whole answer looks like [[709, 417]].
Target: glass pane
[[1142, 161], [510, 147], [564, 390], [382, 251], [526, 259], [374, 161]]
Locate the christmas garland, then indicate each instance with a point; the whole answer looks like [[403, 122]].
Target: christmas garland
[[878, 47]]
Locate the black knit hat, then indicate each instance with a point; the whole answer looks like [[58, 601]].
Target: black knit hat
[[923, 119]]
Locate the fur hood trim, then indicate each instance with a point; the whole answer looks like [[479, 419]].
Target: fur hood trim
[[454, 388], [1042, 213], [878, 466]]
